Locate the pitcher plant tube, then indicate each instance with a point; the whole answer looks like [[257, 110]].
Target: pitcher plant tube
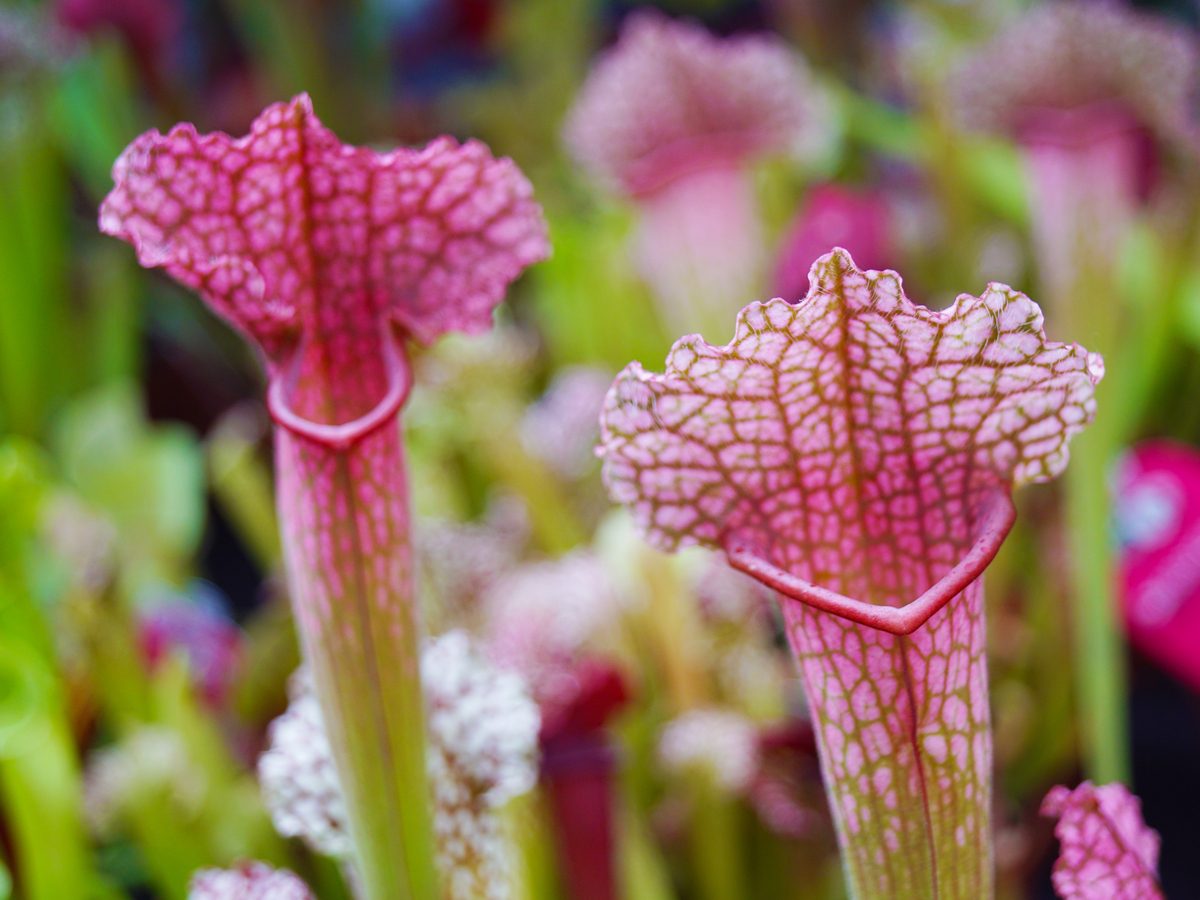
[[857, 453], [329, 258]]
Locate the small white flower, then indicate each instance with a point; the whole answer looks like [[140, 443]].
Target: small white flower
[[721, 743], [298, 779], [482, 727], [150, 760], [252, 881]]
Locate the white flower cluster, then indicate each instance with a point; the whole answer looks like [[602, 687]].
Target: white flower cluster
[[252, 881], [298, 778], [482, 730], [482, 718], [720, 742], [150, 760]]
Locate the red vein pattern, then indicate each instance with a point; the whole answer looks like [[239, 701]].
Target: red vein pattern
[[328, 257], [858, 441], [1108, 853], [289, 232]]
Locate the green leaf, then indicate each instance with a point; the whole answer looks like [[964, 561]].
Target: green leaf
[[36, 357], [93, 112], [148, 480], [588, 301]]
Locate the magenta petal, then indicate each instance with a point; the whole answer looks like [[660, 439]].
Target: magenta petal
[[1158, 525], [1108, 853], [670, 99], [857, 451]]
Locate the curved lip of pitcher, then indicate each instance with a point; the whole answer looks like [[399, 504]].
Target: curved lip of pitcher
[[346, 434], [995, 520]]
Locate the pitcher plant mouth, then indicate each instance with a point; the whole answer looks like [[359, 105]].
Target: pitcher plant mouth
[[346, 434], [994, 523]]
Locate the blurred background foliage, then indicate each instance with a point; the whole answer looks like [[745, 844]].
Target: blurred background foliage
[[145, 640]]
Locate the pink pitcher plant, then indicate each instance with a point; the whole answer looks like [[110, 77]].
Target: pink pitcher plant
[[1094, 94], [671, 117], [330, 258], [858, 453]]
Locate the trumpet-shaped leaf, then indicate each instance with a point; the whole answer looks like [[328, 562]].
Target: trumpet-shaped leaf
[[329, 256], [1108, 853], [671, 115], [1082, 86], [857, 452]]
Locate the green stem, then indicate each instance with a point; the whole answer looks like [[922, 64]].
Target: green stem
[[1093, 314], [39, 780], [36, 358], [345, 518], [715, 841], [1099, 656], [643, 871], [40, 784], [241, 483], [554, 525]]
